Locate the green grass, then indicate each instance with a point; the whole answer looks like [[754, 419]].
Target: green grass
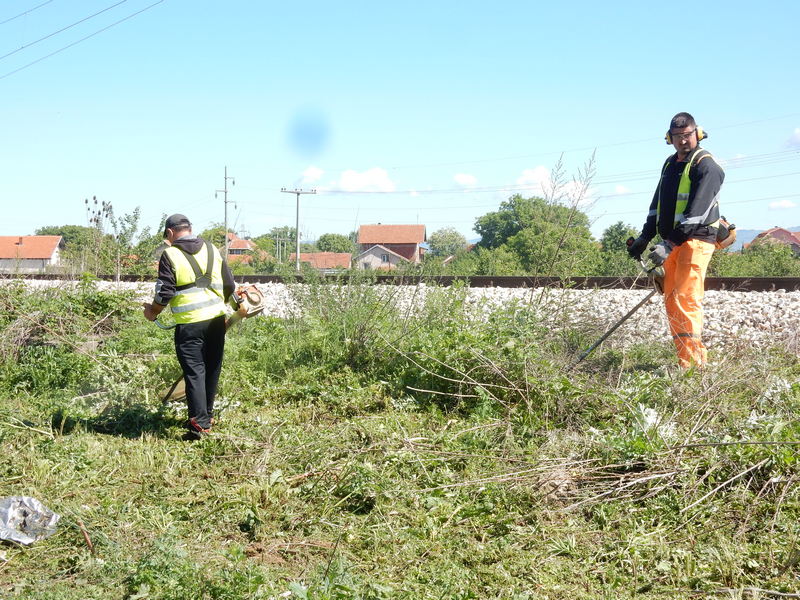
[[363, 452]]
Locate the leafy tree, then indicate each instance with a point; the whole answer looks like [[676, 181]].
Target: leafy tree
[[497, 261], [553, 249], [241, 268], [446, 242], [215, 234], [307, 247], [548, 238], [516, 213], [614, 259], [763, 258], [74, 235], [278, 242], [265, 243], [614, 238], [335, 242], [111, 245]]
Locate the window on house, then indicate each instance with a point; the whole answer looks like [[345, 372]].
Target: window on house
[[385, 258]]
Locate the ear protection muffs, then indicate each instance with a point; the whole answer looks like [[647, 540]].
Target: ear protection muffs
[[701, 135]]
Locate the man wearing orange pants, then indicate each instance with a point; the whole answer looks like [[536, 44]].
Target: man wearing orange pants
[[685, 213]]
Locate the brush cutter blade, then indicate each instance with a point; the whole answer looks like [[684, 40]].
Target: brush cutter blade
[[176, 392]]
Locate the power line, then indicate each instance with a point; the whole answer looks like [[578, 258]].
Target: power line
[[38, 60], [22, 14], [726, 203], [62, 29]]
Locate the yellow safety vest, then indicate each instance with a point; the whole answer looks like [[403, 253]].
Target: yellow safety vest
[[193, 303], [684, 188]]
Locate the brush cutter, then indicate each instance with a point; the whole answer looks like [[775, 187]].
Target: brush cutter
[[656, 274], [726, 235], [250, 303]]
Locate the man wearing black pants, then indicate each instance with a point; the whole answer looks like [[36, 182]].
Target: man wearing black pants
[[195, 282]]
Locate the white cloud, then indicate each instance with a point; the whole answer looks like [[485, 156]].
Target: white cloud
[[794, 140], [312, 174], [371, 180], [536, 179], [781, 204], [465, 180], [621, 189]]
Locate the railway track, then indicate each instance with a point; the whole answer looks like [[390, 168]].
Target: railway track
[[741, 284]]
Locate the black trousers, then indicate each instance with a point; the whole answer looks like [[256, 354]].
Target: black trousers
[[199, 347]]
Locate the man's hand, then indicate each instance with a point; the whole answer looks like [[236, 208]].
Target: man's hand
[[636, 247], [660, 252], [151, 311]]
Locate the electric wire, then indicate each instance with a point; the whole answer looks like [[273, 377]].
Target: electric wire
[[743, 162], [22, 14], [83, 39], [518, 187], [62, 29]]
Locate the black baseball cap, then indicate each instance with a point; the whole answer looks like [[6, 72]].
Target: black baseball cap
[[176, 220]]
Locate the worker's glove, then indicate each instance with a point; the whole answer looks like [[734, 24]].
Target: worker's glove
[[660, 252], [636, 247]]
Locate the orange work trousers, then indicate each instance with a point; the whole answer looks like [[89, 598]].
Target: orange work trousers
[[684, 279]]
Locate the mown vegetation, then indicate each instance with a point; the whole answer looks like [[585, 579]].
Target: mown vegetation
[[369, 450]]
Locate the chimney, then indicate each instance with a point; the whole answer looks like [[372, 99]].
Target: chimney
[[19, 243]]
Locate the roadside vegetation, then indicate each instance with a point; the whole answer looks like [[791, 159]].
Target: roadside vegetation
[[367, 449]]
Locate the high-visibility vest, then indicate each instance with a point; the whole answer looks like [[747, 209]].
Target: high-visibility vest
[[193, 303], [684, 189]]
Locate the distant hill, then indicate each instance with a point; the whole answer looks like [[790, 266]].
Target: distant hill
[[745, 236]]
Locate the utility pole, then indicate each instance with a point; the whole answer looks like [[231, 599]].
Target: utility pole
[[224, 192], [297, 192]]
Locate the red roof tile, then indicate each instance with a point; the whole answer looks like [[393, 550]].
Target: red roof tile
[[325, 260], [391, 234], [781, 234], [237, 243], [28, 246]]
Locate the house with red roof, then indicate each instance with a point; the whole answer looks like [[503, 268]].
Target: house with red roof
[[387, 246], [241, 250], [327, 262], [29, 253], [781, 236]]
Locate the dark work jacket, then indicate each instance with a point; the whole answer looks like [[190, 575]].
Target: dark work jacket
[[706, 180], [165, 284]]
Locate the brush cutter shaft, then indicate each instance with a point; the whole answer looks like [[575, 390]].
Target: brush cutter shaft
[[588, 351]]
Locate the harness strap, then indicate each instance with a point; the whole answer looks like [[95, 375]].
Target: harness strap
[[202, 280]]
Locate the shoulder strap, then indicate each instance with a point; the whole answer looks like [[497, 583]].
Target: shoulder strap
[[202, 280]]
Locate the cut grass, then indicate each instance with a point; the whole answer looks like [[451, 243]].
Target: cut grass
[[327, 477]]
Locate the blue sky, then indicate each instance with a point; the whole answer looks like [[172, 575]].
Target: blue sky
[[414, 112]]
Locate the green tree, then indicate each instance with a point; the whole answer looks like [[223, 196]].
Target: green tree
[[614, 238], [547, 237], [497, 261], [110, 245], [763, 258], [614, 259], [265, 243], [335, 242], [278, 243], [74, 235], [516, 213], [215, 234], [446, 242]]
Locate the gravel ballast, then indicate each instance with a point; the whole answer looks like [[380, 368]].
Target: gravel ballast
[[757, 319]]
